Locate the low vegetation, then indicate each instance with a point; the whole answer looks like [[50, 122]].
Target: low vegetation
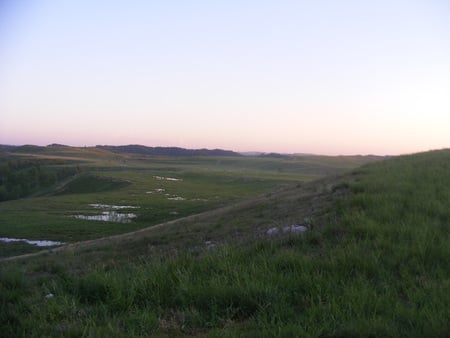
[[202, 183], [91, 184], [374, 263], [22, 178]]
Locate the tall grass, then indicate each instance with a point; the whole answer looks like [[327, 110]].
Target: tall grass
[[381, 271]]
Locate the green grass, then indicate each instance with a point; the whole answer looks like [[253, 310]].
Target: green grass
[[92, 184], [375, 264], [206, 183]]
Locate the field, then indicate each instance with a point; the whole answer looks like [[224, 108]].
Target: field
[[155, 189], [373, 262]]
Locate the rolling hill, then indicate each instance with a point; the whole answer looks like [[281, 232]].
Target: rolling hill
[[373, 262]]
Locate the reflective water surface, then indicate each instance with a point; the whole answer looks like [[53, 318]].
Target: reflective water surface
[[108, 216], [32, 242]]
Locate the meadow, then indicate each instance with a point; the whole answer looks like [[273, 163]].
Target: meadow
[[156, 189], [373, 263]]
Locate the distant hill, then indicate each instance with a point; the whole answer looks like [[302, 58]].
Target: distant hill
[[130, 149], [28, 148], [167, 151], [274, 155], [261, 154], [58, 145]]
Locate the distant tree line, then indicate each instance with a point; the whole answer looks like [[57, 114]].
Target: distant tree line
[[167, 151], [21, 178]]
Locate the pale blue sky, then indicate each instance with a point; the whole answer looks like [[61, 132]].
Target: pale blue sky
[[331, 77]]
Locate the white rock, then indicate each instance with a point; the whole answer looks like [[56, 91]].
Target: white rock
[[210, 245], [296, 228], [273, 231]]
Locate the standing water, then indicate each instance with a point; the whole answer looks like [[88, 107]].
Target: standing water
[[32, 242]]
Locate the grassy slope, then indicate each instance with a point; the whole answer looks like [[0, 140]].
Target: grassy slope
[[123, 179], [375, 264]]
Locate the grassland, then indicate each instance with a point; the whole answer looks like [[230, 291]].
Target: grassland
[[102, 177], [374, 262]]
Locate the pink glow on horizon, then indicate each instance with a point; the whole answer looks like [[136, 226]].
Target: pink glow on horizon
[[297, 77]]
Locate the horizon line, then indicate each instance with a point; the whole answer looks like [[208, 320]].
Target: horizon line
[[258, 152]]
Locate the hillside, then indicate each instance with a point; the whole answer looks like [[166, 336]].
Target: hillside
[[373, 262], [167, 151]]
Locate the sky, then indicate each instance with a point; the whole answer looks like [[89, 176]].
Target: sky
[[327, 77]]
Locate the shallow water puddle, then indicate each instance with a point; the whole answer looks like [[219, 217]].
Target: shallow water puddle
[[179, 198], [108, 216], [171, 197], [113, 207], [161, 178], [111, 215], [176, 198], [32, 242], [160, 190]]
